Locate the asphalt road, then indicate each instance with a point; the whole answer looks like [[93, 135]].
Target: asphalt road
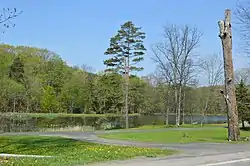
[[231, 159], [193, 154]]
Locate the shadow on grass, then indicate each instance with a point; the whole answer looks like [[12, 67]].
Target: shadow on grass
[[245, 128], [34, 145]]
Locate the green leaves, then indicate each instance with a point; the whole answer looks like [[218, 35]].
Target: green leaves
[[75, 91], [108, 93], [49, 102], [126, 49], [243, 101], [17, 70]]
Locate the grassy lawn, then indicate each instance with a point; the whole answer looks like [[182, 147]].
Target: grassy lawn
[[67, 151], [147, 127], [215, 134]]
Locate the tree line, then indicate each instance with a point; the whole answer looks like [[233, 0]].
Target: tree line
[[34, 78], [38, 80]]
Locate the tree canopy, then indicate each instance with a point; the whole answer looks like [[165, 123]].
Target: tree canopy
[[37, 80]]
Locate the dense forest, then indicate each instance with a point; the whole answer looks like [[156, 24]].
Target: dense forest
[[38, 81]]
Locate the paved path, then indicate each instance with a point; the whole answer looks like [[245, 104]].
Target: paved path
[[232, 159], [193, 153]]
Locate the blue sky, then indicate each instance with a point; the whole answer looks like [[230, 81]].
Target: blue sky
[[79, 30]]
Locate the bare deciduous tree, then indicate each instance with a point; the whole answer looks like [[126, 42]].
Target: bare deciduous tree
[[87, 68], [166, 94], [175, 59], [242, 74], [6, 17], [242, 14], [212, 68]]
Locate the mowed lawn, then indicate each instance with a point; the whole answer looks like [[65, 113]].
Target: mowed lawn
[[67, 151], [148, 127], [216, 134]]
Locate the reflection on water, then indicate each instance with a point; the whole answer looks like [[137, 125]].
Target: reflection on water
[[10, 124]]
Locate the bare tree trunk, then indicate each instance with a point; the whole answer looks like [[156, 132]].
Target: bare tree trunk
[[166, 116], [243, 124], [230, 97], [191, 116], [126, 91], [183, 108], [179, 106], [126, 106], [204, 111], [175, 106]]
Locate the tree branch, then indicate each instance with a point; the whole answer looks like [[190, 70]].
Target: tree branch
[[7, 15]]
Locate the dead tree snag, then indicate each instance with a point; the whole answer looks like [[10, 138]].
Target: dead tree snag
[[225, 35]]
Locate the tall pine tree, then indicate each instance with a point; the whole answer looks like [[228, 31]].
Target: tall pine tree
[[243, 101], [127, 50]]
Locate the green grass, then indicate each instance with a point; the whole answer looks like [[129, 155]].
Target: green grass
[[215, 134], [204, 125], [67, 151], [147, 127]]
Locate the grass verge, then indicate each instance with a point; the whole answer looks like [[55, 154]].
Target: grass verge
[[67, 151], [147, 127], [216, 134]]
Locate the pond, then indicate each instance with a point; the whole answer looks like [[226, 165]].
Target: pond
[[15, 124]]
